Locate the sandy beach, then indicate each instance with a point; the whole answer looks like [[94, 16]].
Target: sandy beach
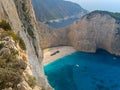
[[51, 54]]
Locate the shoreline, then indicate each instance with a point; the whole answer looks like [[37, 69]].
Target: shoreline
[[54, 53]]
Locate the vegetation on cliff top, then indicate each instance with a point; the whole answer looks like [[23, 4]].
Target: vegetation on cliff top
[[114, 15], [8, 32], [15, 37], [11, 67]]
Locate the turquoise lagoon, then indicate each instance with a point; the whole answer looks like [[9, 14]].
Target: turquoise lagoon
[[85, 71]]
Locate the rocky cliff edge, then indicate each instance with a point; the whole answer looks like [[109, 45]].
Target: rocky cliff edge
[[20, 15]]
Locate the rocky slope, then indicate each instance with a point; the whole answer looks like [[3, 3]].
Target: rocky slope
[[98, 29], [15, 70], [20, 15], [56, 10]]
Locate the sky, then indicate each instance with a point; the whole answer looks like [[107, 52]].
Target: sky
[[107, 5]]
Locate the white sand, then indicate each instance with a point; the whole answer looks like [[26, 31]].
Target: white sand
[[63, 51]]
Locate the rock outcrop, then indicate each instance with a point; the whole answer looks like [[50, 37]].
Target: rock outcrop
[[14, 66], [98, 29], [20, 15]]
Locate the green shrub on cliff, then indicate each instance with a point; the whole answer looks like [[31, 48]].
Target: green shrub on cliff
[[5, 25], [15, 37], [11, 67], [22, 44], [11, 70], [9, 78], [31, 81], [8, 32], [115, 15], [1, 45]]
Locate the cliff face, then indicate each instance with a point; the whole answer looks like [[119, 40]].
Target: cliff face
[[20, 15], [96, 30], [93, 31], [56, 9], [50, 37]]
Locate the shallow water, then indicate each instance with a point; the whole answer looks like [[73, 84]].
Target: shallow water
[[85, 71]]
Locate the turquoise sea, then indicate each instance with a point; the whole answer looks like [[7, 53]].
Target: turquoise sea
[[85, 71]]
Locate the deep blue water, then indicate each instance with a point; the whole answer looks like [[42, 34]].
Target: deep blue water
[[85, 71], [62, 23]]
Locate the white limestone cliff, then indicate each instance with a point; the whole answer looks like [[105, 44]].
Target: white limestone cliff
[[97, 30], [20, 15]]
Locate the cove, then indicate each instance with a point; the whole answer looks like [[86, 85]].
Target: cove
[[62, 23], [85, 71]]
